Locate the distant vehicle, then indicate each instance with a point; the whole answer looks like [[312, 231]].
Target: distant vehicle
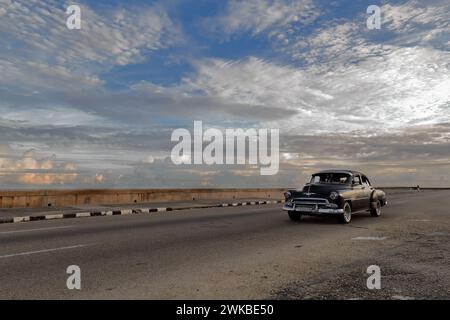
[[338, 193]]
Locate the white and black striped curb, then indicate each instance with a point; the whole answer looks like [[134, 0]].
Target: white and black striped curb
[[128, 211]]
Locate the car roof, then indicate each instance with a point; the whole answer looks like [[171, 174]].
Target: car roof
[[352, 172]]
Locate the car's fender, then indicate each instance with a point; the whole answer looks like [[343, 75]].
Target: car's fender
[[377, 195]]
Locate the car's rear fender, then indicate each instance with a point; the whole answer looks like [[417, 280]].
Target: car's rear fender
[[377, 195]]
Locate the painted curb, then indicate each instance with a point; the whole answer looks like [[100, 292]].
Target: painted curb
[[127, 211]]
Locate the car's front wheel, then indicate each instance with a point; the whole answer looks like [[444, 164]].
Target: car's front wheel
[[346, 217], [294, 216], [376, 211]]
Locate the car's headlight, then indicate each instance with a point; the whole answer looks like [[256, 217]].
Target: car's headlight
[[287, 195], [334, 195]]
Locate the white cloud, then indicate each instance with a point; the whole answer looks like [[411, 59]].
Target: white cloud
[[341, 79], [50, 116], [36, 44], [405, 87], [339, 43], [411, 23], [408, 15], [21, 73], [257, 16], [31, 170], [419, 23], [256, 82]]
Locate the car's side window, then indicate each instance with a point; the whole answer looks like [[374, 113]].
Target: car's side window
[[365, 181], [356, 180]]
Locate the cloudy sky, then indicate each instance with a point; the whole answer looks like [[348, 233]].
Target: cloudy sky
[[95, 108]]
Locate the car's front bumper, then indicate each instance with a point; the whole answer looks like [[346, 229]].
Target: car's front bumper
[[312, 210]]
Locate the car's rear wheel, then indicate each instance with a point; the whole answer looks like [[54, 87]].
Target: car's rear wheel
[[346, 217], [376, 211], [294, 216]]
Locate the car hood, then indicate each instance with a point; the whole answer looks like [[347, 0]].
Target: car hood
[[322, 189]]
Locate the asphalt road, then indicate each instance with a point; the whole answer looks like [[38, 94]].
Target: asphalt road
[[236, 252]]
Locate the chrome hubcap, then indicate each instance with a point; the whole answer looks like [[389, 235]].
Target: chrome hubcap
[[347, 214]]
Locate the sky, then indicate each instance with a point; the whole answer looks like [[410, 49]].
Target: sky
[[96, 107]]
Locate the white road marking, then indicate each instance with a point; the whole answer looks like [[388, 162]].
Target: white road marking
[[54, 216], [32, 230], [437, 233], [83, 214], [420, 220], [42, 251], [370, 238], [399, 297], [21, 219]]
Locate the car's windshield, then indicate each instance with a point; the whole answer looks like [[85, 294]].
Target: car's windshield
[[338, 178]]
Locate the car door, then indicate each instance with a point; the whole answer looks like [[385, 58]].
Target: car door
[[366, 193], [358, 193]]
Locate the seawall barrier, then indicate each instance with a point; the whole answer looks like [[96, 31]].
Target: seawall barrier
[[65, 198]]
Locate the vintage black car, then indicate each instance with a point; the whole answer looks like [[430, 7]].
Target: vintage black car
[[339, 193]]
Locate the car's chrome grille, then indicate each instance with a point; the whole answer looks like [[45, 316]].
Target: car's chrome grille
[[309, 201], [312, 203]]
